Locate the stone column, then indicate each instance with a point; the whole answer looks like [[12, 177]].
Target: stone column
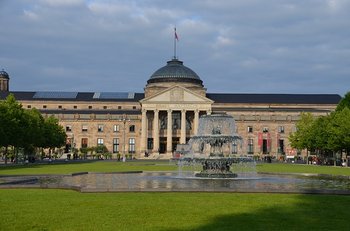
[[156, 131], [143, 131], [183, 127], [195, 122], [169, 138]]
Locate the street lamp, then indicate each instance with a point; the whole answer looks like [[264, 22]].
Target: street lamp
[[124, 120]]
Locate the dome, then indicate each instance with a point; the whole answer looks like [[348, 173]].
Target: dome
[[175, 71], [4, 74]]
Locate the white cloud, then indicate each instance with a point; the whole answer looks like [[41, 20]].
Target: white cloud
[[63, 3], [109, 8], [30, 15], [227, 40]]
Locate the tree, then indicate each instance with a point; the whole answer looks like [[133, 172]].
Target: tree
[[303, 137], [54, 134], [321, 136], [4, 126], [12, 124], [344, 102], [27, 129], [340, 129], [34, 135]]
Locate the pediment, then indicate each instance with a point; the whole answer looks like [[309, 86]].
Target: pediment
[[177, 94]]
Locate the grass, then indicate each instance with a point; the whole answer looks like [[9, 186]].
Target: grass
[[300, 168], [35, 209], [91, 166], [114, 166], [51, 209]]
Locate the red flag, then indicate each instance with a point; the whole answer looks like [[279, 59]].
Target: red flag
[[260, 139], [176, 37], [268, 142]]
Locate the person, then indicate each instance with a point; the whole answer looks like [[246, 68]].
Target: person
[[343, 163]]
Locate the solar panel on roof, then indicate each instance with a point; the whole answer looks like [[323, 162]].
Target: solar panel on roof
[[96, 95], [55, 95], [131, 95], [114, 95]]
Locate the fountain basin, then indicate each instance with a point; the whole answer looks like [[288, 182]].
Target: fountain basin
[[172, 182]]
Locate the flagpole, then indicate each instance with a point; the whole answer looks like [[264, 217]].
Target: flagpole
[[174, 42]]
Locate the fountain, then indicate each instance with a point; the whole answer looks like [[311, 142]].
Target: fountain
[[212, 147], [209, 156]]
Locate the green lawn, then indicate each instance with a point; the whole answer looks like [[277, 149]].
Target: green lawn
[[38, 209], [114, 166], [49, 209], [91, 166], [300, 168]]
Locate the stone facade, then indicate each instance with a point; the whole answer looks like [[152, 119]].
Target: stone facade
[[139, 125]]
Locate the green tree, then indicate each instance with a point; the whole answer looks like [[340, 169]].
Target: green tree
[[54, 134], [321, 136], [340, 128], [13, 124], [34, 135], [27, 129], [303, 137], [344, 102]]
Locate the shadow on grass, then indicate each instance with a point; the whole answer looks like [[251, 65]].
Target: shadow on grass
[[311, 212], [45, 164]]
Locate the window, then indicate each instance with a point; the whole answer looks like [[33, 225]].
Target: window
[[234, 148], [150, 143], [134, 107], [75, 106], [119, 107], [84, 142], [265, 129], [250, 148], [44, 106], [176, 116], [104, 107], [90, 107], [250, 129], [132, 145], [100, 128], [68, 128], [281, 146], [29, 106], [132, 128], [116, 128], [99, 142], [281, 129], [60, 106], [115, 145], [84, 128]]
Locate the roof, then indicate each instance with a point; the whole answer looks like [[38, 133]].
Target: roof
[[75, 96], [275, 98], [216, 97], [175, 71], [4, 74], [97, 112]]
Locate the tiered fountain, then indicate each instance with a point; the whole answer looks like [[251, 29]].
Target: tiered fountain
[[212, 146]]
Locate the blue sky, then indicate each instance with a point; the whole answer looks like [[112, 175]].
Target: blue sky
[[241, 46]]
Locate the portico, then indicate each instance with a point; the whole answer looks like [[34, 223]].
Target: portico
[[170, 118]]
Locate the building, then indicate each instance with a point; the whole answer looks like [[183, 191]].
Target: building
[[174, 97]]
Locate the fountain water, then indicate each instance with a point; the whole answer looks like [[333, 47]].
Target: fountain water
[[211, 148]]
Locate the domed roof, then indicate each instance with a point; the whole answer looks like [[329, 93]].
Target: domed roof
[[175, 71], [4, 74]]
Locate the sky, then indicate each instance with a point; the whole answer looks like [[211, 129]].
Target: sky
[[240, 46]]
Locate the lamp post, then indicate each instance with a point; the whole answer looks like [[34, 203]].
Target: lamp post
[[124, 120]]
